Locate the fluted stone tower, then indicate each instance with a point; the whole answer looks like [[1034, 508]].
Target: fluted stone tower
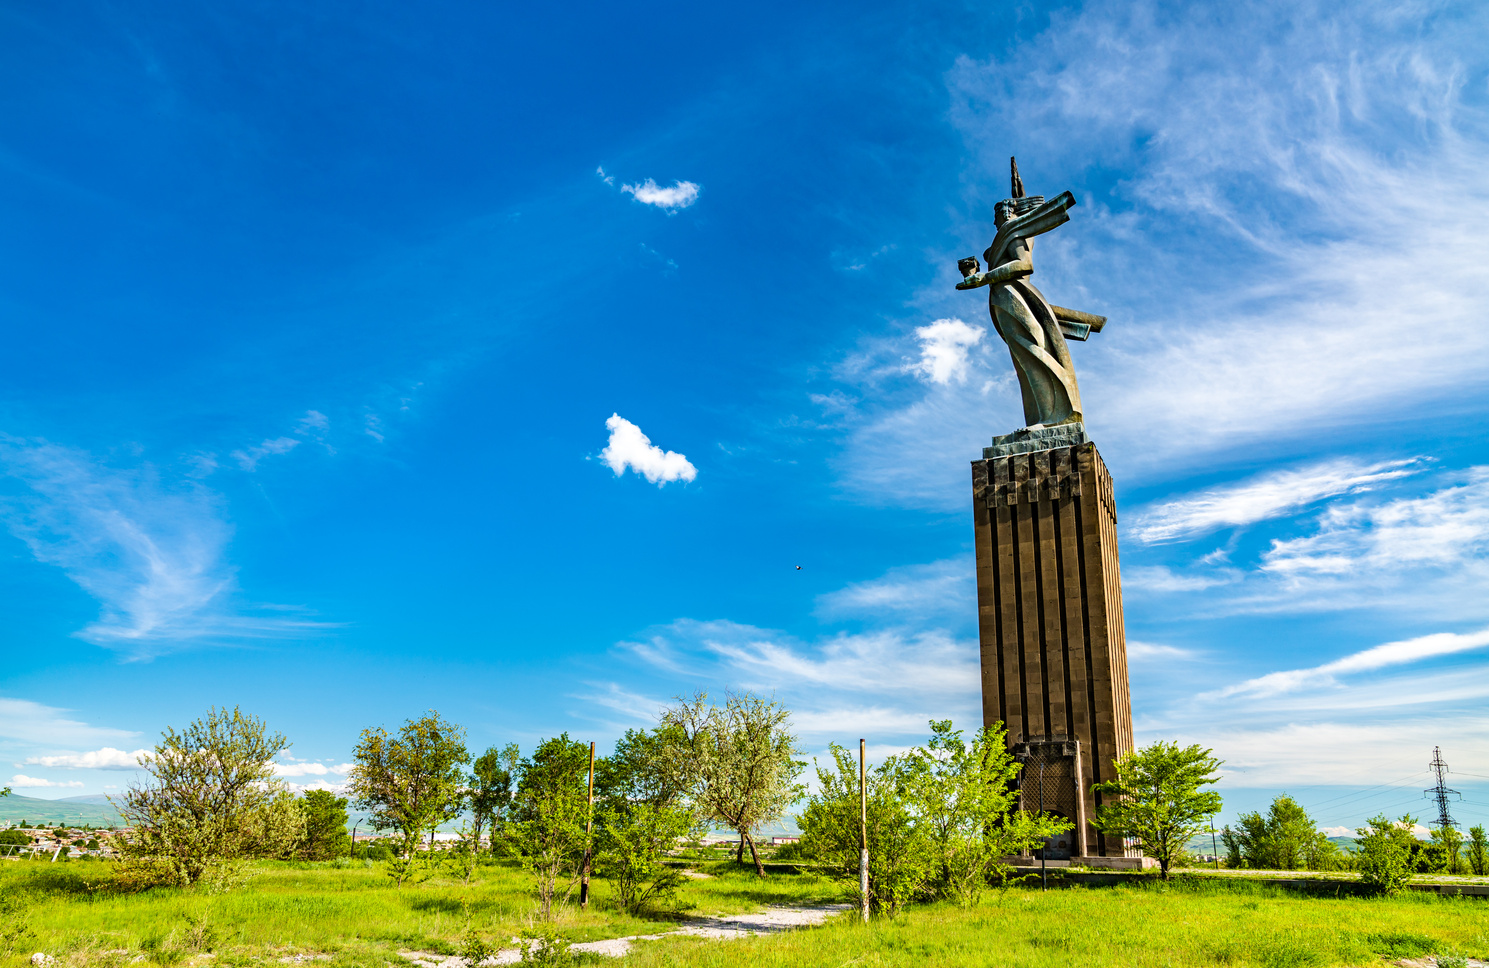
[[1049, 602]]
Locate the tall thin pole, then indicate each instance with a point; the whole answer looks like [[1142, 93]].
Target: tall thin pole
[[1044, 877], [863, 833], [354, 838], [589, 826], [1214, 848]]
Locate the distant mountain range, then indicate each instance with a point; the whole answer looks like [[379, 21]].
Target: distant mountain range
[[94, 810]]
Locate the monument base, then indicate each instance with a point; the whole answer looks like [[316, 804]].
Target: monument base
[[1053, 645]]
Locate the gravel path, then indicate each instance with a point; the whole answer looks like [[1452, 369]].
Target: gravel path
[[770, 921]]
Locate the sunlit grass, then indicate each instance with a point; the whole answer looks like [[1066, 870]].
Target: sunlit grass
[[359, 918]]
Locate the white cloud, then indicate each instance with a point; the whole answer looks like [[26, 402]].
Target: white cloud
[[249, 457], [1379, 657], [1161, 579], [1149, 651], [943, 350], [340, 789], [1262, 497], [154, 556], [24, 721], [671, 199], [607, 179], [942, 588], [1338, 831], [884, 684], [22, 781], [107, 758], [311, 769], [1242, 263], [629, 447]]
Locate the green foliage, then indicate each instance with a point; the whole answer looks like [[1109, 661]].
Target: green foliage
[[410, 782], [962, 796], [549, 813], [1385, 852], [1156, 798], [643, 810], [15, 927], [212, 799], [1284, 839], [901, 860], [1478, 851], [544, 946], [15, 838], [739, 761], [1443, 854], [325, 833], [1402, 944], [489, 791]]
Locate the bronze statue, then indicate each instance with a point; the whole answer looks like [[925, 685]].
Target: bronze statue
[[1034, 330]]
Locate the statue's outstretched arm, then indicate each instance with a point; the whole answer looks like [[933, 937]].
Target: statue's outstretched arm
[[1007, 272]]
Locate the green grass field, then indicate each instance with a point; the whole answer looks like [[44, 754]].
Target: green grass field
[[356, 916]]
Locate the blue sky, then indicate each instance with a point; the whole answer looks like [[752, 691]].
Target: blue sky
[[366, 359]]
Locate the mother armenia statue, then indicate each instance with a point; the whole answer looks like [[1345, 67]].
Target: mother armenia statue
[[1034, 330]]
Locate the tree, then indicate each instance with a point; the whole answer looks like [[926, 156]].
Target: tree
[[1385, 852], [1478, 851], [901, 861], [1284, 839], [548, 817], [739, 759], [1156, 798], [211, 799], [963, 798], [490, 791], [1441, 854], [642, 811], [410, 782], [325, 826]]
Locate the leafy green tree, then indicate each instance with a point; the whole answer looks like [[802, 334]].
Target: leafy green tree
[[901, 860], [1156, 798], [1283, 839], [411, 782], [489, 791], [325, 834], [741, 761], [1478, 851], [1442, 855], [549, 814], [963, 798], [211, 799], [1385, 852], [643, 810]]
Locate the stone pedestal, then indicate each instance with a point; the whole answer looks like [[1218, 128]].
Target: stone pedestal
[[1049, 602]]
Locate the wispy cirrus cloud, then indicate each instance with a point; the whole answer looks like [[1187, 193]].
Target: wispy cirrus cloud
[[1379, 657], [153, 554], [941, 590], [36, 724], [1265, 496], [1346, 127]]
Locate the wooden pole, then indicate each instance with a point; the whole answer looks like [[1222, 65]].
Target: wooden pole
[[589, 827], [863, 833]]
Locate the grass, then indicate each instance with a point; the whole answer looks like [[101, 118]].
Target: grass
[[358, 918]]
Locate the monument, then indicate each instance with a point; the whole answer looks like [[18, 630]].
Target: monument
[[1049, 591]]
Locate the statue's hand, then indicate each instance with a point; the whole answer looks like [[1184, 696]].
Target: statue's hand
[[974, 281]]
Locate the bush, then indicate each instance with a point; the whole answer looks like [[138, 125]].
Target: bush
[[1385, 853]]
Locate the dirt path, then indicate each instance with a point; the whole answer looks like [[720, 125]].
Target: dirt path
[[772, 920]]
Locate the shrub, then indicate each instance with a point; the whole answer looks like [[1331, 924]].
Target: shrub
[[1385, 851]]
